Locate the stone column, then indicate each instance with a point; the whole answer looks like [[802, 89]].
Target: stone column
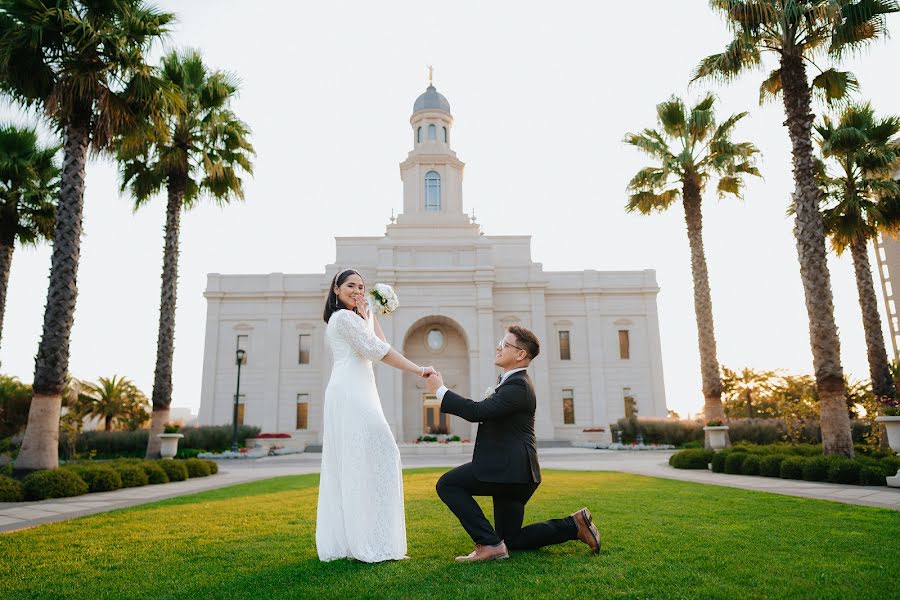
[[543, 418], [654, 350], [208, 414], [271, 401], [596, 353]]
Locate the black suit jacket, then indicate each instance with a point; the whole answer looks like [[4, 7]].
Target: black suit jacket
[[505, 447]]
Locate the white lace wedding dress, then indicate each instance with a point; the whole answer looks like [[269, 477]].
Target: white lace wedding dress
[[360, 511]]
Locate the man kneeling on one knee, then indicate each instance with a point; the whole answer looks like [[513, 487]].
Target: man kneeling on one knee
[[505, 463]]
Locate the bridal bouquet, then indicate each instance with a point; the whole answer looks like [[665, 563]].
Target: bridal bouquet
[[386, 298]]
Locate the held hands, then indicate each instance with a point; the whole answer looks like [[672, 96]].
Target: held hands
[[434, 382], [426, 372]]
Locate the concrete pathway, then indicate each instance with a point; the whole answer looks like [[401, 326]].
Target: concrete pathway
[[21, 515]]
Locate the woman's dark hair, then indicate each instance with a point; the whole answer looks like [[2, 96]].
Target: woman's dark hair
[[332, 304]]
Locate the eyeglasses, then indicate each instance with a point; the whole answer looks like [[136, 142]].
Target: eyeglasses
[[504, 344]]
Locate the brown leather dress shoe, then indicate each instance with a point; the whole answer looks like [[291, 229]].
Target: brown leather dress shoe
[[587, 532], [485, 552]]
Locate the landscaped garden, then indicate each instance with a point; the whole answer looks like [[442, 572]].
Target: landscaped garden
[[661, 538]]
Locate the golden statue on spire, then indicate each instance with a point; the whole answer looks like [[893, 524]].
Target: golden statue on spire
[[430, 74]]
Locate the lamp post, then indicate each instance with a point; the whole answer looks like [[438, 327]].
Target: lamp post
[[240, 354]]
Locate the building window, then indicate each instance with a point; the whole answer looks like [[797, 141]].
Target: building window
[[305, 341], [419, 135], [243, 343], [568, 398], [432, 191], [240, 411], [433, 420], [624, 344], [564, 352], [432, 133], [630, 404], [445, 135], [302, 411], [434, 339]]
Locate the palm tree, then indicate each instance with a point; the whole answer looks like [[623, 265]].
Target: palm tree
[[115, 399], [748, 389], [690, 149], [29, 184], [82, 63], [797, 32], [200, 151], [863, 152]]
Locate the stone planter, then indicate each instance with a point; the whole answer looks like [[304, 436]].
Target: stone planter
[[716, 436], [168, 444], [892, 424]]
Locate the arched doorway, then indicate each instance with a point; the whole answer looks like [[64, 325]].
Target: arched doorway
[[441, 342]]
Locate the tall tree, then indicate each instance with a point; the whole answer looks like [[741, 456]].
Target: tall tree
[[113, 400], [690, 148], [200, 151], [83, 64], [29, 185], [797, 32], [861, 153]]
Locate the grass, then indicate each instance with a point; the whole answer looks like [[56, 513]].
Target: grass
[[661, 539]]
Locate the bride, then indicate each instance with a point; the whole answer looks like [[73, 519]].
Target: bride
[[360, 511]]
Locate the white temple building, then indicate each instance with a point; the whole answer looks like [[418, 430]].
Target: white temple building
[[458, 289]]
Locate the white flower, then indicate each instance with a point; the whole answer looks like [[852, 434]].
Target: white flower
[[385, 297], [489, 392]]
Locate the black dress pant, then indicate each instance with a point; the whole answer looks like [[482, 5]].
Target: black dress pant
[[457, 488]]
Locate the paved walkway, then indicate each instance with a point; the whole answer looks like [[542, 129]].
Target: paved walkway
[[21, 515]]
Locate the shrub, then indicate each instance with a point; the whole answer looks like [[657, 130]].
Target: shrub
[[660, 431], [175, 469], [843, 470], [132, 475], [213, 466], [792, 467], [697, 458], [197, 468], [871, 475], [770, 465], [58, 483], [11, 490], [816, 468], [750, 466], [693, 444], [734, 461], [112, 444], [188, 452], [890, 465], [155, 473], [99, 478], [718, 461]]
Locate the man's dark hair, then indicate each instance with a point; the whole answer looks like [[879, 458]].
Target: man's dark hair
[[526, 339]]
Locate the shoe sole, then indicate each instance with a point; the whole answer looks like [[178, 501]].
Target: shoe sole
[[589, 519], [498, 557]]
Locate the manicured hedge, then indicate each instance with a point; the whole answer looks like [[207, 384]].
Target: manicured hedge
[[197, 467], [175, 469], [155, 473], [98, 478], [11, 490], [132, 475], [691, 459], [57, 483], [682, 432], [112, 444], [802, 461]]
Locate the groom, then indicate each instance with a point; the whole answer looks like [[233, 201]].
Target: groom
[[504, 464]]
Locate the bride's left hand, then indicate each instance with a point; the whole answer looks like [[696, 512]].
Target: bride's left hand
[[362, 306]]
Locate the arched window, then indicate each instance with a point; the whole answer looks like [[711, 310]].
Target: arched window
[[432, 133], [432, 190], [445, 135], [419, 135]]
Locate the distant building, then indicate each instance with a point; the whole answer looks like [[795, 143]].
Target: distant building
[[459, 289]]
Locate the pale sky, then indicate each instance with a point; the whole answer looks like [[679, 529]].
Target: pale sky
[[542, 96]]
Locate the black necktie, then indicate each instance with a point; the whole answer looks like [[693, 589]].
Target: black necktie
[[499, 378]]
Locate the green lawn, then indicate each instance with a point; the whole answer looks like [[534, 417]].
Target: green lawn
[[661, 539]]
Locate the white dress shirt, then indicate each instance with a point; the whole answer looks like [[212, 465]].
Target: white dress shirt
[[443, 389]]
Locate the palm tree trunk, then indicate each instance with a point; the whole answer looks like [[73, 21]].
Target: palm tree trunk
[[165, 344], [40, 445], [879, 369], [6, 256], [107, 423], [810, 236], [709, 363]]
